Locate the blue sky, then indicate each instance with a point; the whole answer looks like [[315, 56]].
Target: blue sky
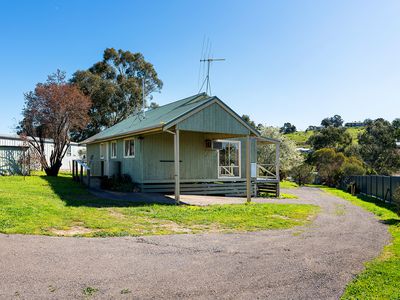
[[296, 61]]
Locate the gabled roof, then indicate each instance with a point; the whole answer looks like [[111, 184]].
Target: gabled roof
[[162, 117]]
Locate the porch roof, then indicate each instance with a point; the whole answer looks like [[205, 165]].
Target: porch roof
[[164, 118], [265, 140]]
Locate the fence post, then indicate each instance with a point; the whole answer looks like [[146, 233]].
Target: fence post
[[370, 186], [383, 188], [81, 175], [391, 189], [88, 177]]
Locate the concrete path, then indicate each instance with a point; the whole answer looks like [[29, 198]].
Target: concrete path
[[313, 262]]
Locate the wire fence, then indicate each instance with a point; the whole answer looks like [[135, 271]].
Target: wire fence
[[378, 186]]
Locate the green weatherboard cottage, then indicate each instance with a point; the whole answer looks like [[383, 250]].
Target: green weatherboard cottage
[[197, 145]]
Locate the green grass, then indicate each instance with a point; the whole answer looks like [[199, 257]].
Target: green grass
[[59, 206], [89, 291], [354, 132], [288, 196], [285, 184], [301, 137], [381, 278]]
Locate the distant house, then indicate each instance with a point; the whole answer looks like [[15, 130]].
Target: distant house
[[13, 150], [304, 150], [197, 145], [354, 124], [314, 128]]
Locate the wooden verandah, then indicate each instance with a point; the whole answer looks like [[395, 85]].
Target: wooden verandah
[[265, 178]]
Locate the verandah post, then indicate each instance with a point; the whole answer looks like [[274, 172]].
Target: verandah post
[[176, 166], [248, 179], [277, 167]]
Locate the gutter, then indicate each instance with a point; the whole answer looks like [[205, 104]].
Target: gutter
[[150, 129]]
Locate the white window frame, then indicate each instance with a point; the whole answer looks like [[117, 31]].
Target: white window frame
[[114, 155], [240, 159], [134, 146], [102, 150]]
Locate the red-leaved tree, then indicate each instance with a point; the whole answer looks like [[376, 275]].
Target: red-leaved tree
[[51, 111]]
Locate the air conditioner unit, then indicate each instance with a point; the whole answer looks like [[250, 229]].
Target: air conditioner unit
[[216, 145]]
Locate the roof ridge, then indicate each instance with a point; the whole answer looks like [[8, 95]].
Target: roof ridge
[[187, 99]]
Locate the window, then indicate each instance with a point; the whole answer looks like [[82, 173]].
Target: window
[[229, 159], [102, 150], [113, 149], [69, 151], [129, 148]]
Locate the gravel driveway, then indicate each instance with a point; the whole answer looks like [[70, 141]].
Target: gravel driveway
[[313, 262]]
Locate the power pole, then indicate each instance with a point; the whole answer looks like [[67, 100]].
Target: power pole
[[207, 79]]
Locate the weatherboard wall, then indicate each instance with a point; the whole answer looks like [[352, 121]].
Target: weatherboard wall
[[129, 165], [10, 159], [154, 158], [213, 119]]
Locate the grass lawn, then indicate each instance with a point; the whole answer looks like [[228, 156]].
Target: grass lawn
[[59, 206], [381, 279], [285, 184]]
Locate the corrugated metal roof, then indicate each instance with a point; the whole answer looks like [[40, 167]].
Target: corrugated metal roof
[[154, 118], [162, 118], [16, 140]]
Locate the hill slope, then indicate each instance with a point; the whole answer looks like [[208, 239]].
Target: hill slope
[[301, 137]]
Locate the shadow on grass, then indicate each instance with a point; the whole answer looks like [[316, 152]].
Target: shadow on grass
[[391, 222], [76, 194], [378, 202]]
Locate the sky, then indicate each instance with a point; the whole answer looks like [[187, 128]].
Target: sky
[[286, 61]]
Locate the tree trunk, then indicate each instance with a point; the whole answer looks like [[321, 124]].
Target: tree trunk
[[54, 169]]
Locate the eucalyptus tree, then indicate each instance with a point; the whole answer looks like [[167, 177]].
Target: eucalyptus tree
[[116, 86]]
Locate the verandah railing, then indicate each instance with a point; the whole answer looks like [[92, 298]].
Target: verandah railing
[[266, 171], [81, 172]]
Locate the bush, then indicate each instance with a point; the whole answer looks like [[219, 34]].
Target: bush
[[302, 174], [334, 167], [396, 200], [119, 183]]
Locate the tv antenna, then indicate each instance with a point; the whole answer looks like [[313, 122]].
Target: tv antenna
[[206, 81]]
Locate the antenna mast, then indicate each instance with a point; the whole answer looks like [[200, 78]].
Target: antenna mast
[[143, 97], [207, 79]]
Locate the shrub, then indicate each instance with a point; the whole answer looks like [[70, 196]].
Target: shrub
[[334, 167], [119, 183], [302, 174], [328, 163]]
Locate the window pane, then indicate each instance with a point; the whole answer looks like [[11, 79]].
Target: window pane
[[101, 150], [126, 143], [114, 149], [131, 147]]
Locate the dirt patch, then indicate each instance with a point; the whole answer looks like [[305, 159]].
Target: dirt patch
[[116, 214], [170, 226], [74, 230], [175, 227]]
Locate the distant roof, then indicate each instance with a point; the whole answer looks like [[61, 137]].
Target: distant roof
[[16, 137], [158, 118]]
